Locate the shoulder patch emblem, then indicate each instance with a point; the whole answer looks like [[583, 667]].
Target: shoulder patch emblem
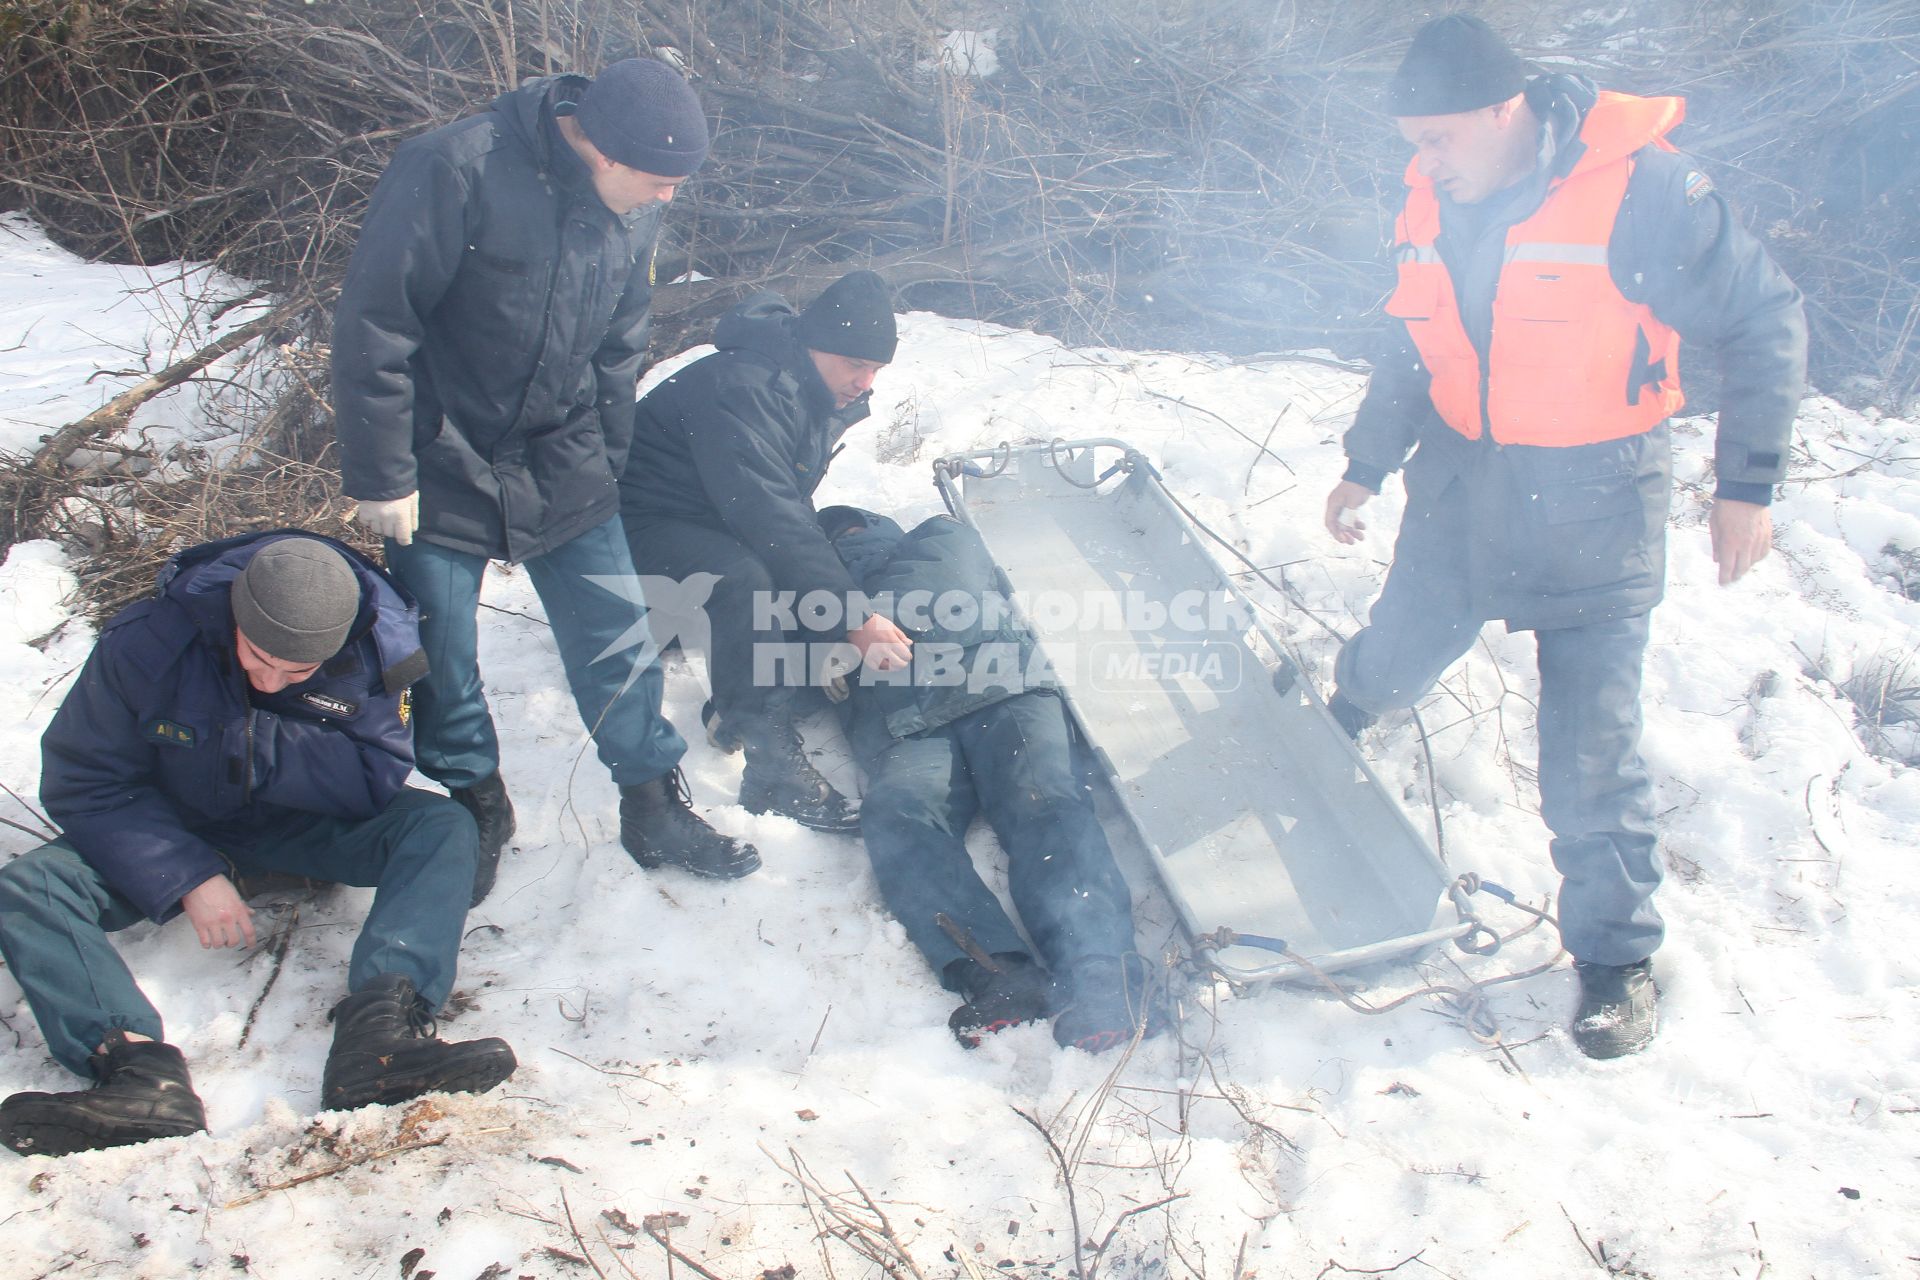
[[1699, 186], [170, 733], [406, 706], [327, 704]]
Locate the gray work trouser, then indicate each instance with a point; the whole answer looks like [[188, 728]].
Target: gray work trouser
[[1594, 792]]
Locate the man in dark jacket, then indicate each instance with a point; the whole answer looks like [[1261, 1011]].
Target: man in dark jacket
[[1553, 253], [487, 348], [252, 717], [974, 726], [726, 456]]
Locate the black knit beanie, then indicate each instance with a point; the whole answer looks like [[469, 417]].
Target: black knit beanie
[[643, 114], [1456, 63], [296, 600], [853, 318]]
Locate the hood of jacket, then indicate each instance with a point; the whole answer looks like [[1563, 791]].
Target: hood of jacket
[[864, 540], [527, 114]]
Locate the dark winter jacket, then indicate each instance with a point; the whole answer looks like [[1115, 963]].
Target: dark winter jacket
[[938, 584], [1574, 535], [489, 337], [162, 751], [738, 441]]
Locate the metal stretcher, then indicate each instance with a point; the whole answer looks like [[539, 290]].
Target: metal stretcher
[[1276, 844]]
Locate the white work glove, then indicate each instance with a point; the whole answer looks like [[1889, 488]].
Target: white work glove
[[394, 518]]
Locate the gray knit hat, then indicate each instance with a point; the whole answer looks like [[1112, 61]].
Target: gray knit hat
[[296, 600]]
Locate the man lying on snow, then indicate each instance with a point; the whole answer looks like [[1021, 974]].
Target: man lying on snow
[[251, 717], [962, 732]]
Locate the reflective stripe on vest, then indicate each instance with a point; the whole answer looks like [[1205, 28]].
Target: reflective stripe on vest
[[1573, 360]]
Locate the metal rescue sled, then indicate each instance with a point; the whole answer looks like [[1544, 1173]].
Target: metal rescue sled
[[1277, 845]]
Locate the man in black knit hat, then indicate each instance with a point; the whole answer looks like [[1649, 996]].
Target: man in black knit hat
[[726, 456], [1553, 253], [487, 350]]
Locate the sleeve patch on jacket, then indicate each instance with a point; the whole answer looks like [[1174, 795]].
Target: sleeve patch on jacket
[[170, 733], [409, 670], [1699, 186]]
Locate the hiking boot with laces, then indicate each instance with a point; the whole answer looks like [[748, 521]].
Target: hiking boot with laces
[[141, 1091], [1618, 1013], [1021, 992], [779, 779], [1108, 1000], [659, 828], [492, 812], [385, 1050]]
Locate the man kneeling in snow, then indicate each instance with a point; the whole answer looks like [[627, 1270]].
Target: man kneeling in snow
[[966, 730], [251, 717]]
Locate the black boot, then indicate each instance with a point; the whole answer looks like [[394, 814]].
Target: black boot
[[1020, 992], [1351, 719], [779, 779], [384, 1050], [660, 829], [1110, 999], [720, 737], [492, 812], [142, 1091], [1618, 1013]]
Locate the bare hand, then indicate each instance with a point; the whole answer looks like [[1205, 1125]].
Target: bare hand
[[882, 645], [1742, 535], [1346, 496], [219, 914]]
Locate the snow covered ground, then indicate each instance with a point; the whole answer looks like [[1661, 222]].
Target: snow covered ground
[[768, 1059]]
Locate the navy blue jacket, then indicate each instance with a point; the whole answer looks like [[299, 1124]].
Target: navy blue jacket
[[489, 337], [940, 586], [162, 751]]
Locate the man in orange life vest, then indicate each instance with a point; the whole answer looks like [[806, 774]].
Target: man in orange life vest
[[1553, 253]]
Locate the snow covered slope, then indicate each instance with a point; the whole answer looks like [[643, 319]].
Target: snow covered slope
[[768, 1059]]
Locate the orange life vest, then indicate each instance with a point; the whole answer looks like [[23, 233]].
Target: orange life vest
[[1573, 361]]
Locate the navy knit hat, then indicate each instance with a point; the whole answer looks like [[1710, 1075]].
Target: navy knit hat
[[1456, 63], [296, 600], [643, 114], [853, 318]]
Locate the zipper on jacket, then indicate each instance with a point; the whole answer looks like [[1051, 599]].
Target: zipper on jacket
[[246, 771]]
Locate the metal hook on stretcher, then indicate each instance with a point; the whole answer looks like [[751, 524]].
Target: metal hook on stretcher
[[1479, 939], [1129, 459]]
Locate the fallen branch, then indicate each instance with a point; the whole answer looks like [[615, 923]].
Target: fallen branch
[[585, 1253], [280, 945], [1066, 1181], [113, 415], [328, 1172], [659, 1226]]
